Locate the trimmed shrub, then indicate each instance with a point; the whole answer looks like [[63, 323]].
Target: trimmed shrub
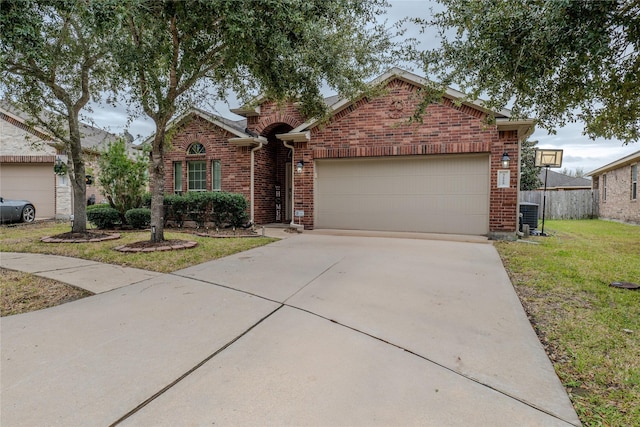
[[103, 216], [176, 207], [221, 208], [199, 207], [229, 208], [138, 218], [146, 200]]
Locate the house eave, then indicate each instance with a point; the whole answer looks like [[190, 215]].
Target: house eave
[[246, 111], [294, 136], [524, 127], [631, 158], [248, 141]]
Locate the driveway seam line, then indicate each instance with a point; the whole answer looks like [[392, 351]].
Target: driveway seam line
[[435, 363], [227, 287], [192, 370], [312, 280]]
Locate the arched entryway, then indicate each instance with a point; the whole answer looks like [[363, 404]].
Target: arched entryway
[[273, 178]]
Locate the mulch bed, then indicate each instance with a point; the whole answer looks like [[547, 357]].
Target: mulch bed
[[71, 237], [149, 246]]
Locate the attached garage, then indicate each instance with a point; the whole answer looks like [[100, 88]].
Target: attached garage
[[31, 181], [432, 194]]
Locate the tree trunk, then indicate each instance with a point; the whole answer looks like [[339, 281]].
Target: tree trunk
[[77, 174], [157, 186]]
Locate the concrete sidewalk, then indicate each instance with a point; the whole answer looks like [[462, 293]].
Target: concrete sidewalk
[[93, 276], [311, 330]]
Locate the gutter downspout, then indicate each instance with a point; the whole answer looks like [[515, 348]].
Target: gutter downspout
[[293, 186], [253, 150]]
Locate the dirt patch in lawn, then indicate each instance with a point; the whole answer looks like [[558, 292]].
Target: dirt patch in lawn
[[23, 292]]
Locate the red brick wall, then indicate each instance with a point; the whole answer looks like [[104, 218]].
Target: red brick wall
[[235, 161], [379, 127], [273, 115]]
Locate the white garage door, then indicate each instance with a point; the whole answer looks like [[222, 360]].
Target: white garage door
[[33, 182], [432, 194]]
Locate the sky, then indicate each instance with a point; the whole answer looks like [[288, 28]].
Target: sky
[[579, 151]]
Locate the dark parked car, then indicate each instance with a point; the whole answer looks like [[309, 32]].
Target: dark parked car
[[16, 210]]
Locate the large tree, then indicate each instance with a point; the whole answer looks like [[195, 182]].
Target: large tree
[[53, 59], [179, 51], [556, 60]]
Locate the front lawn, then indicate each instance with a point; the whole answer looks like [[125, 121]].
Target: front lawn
[[591, 331], [22, 292], [26, 238]]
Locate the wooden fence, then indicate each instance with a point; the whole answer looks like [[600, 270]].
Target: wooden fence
[[568, 204]]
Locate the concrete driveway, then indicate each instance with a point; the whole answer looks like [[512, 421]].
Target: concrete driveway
[[310, 330]]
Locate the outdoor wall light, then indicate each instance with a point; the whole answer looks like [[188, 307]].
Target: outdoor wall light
[[300, 166], [505, 160]]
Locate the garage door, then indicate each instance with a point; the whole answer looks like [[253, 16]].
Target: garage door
[[33, 182], [433, 194]]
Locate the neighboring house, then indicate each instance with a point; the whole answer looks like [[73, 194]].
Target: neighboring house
[[27, 158], [617, 185], [558, 181], [366, 168]]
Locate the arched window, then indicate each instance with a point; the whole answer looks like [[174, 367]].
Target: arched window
[[196, 148], [196, 169]]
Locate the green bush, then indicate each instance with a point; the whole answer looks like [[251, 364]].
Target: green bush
[[138, 218], [229, 208], [221, 208], [103, 216], [96, 206], [199, 207], [146, 200], [176, 206]]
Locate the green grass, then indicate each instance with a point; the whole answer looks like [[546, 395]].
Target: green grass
[[591, 330], [26, 238]]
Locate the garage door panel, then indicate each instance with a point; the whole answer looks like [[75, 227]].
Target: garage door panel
[[33, 182], [444, 194]]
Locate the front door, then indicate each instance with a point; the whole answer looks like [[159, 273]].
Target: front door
[[288, 183]]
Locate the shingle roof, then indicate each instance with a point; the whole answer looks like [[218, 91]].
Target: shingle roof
[[93, 138], [560, 180]]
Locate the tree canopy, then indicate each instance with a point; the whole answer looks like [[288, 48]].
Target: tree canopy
[[53, 59], [559, 61], [177, 52]]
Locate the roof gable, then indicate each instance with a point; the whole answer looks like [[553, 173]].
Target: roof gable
[[236, 128], [631, 158], [92, 138], [524, 127]]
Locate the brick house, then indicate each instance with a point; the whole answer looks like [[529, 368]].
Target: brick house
[[617, 187], [27, 158], [367, 168]]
